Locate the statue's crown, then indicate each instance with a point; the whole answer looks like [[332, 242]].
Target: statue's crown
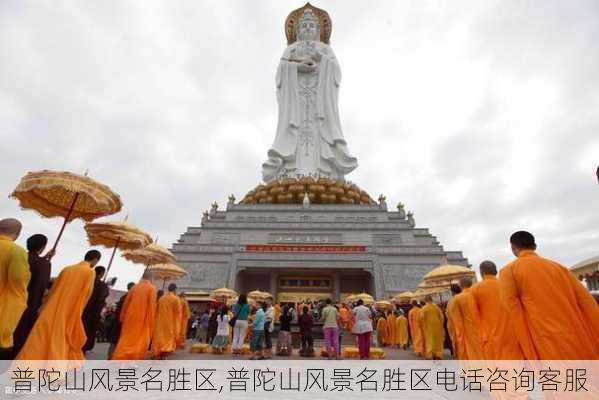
[[309, 16], [311, 13]]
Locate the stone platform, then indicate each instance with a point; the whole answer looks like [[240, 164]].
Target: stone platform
[[296, 250]]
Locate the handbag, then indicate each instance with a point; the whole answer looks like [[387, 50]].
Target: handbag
[[232, 321]]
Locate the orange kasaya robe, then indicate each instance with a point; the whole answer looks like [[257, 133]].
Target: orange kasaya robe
[[470, 321], [138, 318], [382, 332], [347, 318], [391, 320], [455, 328], [431, 318], [164, 339], [276, 313], [499, 341], [14, 278], [416, 330], [554, 316], [58, 333], [185, 312], [401, 331]]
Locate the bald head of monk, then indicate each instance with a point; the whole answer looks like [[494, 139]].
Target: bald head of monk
[[522, 240], [428, 298], [93, 257], [465, 283], [10, 227], [100, 271], [488, 268], [415, 303], [172, 288], [455, 289]]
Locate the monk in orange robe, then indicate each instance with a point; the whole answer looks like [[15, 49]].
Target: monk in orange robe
[[185, 312], [431, 319], [401, 331], [58, 333], [138, 318], [164, 340], [416, 329], [455, 325], [382, 331], [14, 278], [499, 340], [346, 317], [391, 320], [470, 322], [554, 316]]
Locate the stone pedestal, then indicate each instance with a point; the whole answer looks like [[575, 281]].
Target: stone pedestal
[[356, 247]]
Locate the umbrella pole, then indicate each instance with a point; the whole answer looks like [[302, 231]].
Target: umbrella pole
[[116, 245], [163, 283], [66, 220]]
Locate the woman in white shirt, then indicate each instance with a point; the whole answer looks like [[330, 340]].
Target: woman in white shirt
[[222, 332], [363, 328]]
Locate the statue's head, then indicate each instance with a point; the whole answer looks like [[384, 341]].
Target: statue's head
[[308, 27]]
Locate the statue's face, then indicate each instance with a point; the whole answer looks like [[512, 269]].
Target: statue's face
[[308, 30]]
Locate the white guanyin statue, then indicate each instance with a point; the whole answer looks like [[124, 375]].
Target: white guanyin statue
[[309, 140]]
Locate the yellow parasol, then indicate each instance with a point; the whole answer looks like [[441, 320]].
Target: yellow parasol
[[233, 300], [116, 235], [383, 305], [223, 294], [365, 297], [402, 297], [259, 295], [150, 255], [167, 272], [67, 195]]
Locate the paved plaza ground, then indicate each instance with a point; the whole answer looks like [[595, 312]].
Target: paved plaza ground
[[100, 352]]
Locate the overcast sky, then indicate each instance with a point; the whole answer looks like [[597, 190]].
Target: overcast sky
[[482, 117]]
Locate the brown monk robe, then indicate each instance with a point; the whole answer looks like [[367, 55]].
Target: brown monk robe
[[14, 278], [470, 320], [93, 309], [554, 316], [498, 336], [138, 318], [185, 313], [40, 268], [164, 340], [58, 333], [416, 329]]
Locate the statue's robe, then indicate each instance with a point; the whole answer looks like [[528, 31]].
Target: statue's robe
[[391, 329], [138, 319], [470, 321], [164, 340], [401, 331], [431, 319], [333, 157], [185, 312], [382, 332], [416, 330], [40, 269], [14, 278], [92, 312], [58, 333], [554, 316], [499, 341]]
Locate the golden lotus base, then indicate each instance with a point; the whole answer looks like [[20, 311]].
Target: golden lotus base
[[321, 191]]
